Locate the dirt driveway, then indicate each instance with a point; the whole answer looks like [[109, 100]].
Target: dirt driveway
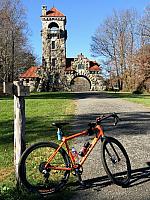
[[133, 132]]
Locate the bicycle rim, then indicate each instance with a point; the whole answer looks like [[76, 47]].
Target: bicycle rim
[[116, 161], [33, 173]]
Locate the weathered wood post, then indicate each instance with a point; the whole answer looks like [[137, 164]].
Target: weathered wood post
[[19, 91]]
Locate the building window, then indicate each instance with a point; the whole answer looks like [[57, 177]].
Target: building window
[[53, 62], [53, 44], [92, 72], [80, 66]]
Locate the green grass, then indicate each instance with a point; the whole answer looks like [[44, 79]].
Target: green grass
[[41, 110], [143, 99]]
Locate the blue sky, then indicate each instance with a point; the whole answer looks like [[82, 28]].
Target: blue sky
[[83, 18]]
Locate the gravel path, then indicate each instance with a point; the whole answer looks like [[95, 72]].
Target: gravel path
[[133, 132]]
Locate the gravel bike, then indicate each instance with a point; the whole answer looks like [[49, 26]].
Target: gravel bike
[[45, 166]]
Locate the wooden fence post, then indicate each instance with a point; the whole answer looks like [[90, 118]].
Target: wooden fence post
[[19, 131], [19, 91]]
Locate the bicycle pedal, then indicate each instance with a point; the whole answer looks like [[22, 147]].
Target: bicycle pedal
[[46, 175], [79, 172], [76, 173], [84, 185]]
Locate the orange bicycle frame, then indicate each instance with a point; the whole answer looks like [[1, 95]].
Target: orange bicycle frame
[[65, 140]]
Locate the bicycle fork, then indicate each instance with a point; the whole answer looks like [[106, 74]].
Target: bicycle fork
[[113, 157]]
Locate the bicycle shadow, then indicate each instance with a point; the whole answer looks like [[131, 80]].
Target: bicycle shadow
[[96, 183], [138, 177]]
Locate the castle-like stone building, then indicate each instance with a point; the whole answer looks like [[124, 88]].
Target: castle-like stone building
[[60, 72]]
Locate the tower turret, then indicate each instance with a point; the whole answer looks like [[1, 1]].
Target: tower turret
[[44, 9], [54, 37]]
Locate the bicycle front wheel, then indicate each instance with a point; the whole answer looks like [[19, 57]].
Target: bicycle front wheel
[[116, 161], [33, 173]]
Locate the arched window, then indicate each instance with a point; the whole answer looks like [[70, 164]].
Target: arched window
[[53, 27]]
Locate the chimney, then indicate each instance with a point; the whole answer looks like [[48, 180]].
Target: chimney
[[44, 9]]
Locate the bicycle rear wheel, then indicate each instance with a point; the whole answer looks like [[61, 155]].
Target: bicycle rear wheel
[[34, 175], [116, 161]]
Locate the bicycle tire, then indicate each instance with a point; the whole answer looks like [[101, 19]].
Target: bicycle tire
[[114, 156], [32, 164]]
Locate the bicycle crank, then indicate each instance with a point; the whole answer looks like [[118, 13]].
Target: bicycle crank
[[43, 170], [78, 171]]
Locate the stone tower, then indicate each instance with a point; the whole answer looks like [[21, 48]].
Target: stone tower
[[54, 38]]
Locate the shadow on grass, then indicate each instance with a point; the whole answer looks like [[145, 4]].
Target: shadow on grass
[[20, 194], [36, 128], [51, 95], [44, 95], [78, 95]]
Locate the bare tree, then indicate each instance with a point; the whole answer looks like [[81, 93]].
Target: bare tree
[[115, 39], [14, 46], [145, 25]]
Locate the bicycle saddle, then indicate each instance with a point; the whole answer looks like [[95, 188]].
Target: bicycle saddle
[[59, 124]]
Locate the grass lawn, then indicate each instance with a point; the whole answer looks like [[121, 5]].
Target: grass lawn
[[41, 110]]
